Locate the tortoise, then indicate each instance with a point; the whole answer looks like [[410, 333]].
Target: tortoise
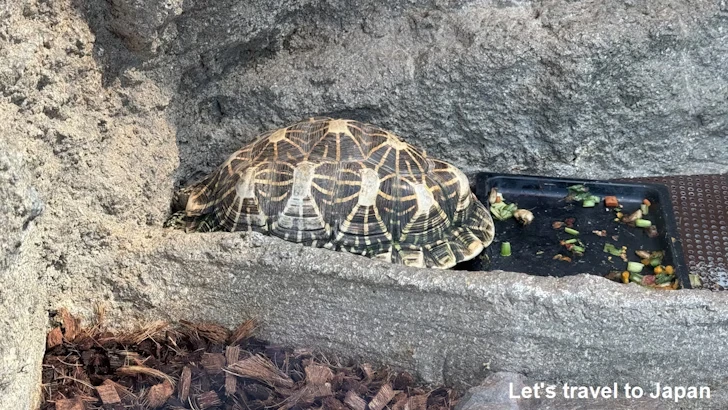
[[342, 185]]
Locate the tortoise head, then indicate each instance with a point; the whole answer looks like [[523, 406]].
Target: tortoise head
[[179, 200]]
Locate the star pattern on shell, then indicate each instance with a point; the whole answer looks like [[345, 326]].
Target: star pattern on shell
[[343, 185]]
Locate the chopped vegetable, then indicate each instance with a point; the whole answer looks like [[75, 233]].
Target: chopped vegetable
[[578, 189], [632, 217], [663, 278], [611, 249], [611, 201], [645, 261], [656, 257], [620, 215], [646, 202], [635, 277], [493, 196], [570, 222], [578, 193], [560, 257], [571, 231], [523, 216], [505, 249], [574, 245], [601, 233], [642, 223], [634, 267], [645, 209], [502, 211], [643, 254], [695, 281], [557, 225]]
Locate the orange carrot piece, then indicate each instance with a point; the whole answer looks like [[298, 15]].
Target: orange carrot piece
[[611, 201], [646, 202]]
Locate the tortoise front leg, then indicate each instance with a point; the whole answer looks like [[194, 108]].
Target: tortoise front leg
[[192, 223]]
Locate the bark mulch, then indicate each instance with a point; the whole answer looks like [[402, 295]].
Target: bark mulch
[[206, 366]]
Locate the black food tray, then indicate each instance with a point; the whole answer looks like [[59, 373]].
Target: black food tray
[[534, 246]]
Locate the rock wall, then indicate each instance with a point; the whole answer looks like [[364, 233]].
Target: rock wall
[[585, 88], [22, 298], [81, 162], [106, 106]]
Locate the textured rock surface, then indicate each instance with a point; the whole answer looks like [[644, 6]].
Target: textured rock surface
[[106, 105], [21, 298], [87, 156], [446, 326], [565, 88]]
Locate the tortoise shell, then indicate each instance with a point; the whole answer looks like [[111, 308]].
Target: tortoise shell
[[343, 185]]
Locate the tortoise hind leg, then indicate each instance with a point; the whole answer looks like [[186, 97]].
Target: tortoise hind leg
[[197, 223]]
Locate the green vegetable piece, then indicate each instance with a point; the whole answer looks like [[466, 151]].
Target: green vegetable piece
[[663, 278], [578, 193], [636, 278], [578, 249], [571, 231], [502, 211], [655, 262], [588, 203], [645, 209], [572, 240], [506, 249], [695, 281], [594, 198], [635, 267], [611, 249], [577, 189], [642, 223], [498, 210]]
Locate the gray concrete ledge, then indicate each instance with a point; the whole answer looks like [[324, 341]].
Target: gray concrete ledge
[[446, 326]]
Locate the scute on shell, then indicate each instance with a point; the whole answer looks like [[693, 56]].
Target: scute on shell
[[344, 185]]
